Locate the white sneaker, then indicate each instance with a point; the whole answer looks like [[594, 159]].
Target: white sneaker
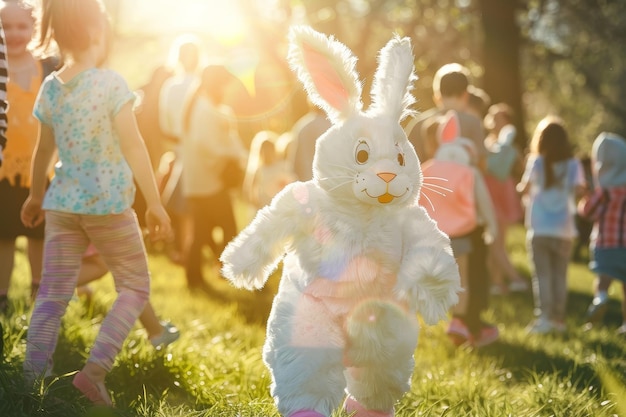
[[170, 335], [540, 326]]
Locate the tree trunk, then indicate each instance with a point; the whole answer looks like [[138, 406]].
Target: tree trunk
[[502, 79]]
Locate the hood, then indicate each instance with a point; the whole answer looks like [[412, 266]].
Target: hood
[[609, 158]]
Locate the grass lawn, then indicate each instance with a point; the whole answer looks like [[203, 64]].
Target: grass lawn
[[215, 369]]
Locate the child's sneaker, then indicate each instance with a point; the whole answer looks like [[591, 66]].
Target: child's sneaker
[[170, 335], [621, 330], [458, 332], [597, 309], [540, 326], [488, 334]]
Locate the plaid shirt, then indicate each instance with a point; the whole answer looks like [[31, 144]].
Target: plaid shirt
[[607, 208]]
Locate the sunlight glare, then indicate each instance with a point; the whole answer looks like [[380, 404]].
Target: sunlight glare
[[222, 20]]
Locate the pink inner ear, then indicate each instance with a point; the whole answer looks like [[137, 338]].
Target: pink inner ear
[[327, 82], [450, 130]]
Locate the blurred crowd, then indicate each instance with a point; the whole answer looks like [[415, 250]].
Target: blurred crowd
[[213, 175]]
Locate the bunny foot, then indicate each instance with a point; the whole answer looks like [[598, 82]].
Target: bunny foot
[[354, 409]]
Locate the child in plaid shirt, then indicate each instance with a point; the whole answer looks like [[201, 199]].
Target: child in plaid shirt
[[606, 207]]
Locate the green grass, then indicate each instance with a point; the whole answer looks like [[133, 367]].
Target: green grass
[[215, 369]]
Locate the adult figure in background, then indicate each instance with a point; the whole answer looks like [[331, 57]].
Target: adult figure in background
[[26, 72], [210, 140], [186, 53], [451, 86]]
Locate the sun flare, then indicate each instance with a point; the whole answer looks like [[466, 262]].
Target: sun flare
[[222, 20]]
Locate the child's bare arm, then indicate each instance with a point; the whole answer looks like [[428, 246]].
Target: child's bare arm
[[32, 214], [136, 154]]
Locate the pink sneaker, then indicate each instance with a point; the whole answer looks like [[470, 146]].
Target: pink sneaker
[[488, 335], [458, 332]]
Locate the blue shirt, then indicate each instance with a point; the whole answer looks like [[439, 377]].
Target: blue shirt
[[550, 210], [91, 175]]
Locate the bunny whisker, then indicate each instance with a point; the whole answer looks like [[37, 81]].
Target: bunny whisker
[[339, 185], [435, 178], [336, 177], [341, 166], [435, 191], [435, 186], [429, 201]]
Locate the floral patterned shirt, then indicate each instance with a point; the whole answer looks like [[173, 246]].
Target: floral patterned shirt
[[91, 175]]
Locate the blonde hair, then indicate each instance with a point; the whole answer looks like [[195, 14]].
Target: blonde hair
[[26, 5], [71, 24]]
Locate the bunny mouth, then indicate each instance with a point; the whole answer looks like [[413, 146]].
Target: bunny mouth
[[385, 198]]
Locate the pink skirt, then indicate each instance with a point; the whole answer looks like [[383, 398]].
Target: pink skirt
[[506, 201]]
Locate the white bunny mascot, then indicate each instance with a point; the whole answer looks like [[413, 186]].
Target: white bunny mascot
[[360, 256]]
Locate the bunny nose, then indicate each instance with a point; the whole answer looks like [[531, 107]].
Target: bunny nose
[[386, 176]]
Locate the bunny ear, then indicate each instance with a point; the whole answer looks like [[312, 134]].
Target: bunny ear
[[448, 130], [326, 68], [393, 81]]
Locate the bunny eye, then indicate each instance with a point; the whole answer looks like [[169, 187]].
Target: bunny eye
[[400, 156], [362, 153]]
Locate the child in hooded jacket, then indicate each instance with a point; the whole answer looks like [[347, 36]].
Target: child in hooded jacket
[[606, 206]]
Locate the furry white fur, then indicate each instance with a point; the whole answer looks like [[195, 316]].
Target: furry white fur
[[360, 257]]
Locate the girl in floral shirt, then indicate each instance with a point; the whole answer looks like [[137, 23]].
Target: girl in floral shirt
[[86, 114]]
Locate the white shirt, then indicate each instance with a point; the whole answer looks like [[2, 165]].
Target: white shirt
[[206, 147], [172, 101]]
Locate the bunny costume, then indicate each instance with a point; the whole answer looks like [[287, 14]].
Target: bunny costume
[[360, 256]]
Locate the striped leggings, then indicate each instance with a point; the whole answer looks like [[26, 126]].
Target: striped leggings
[[118, 240]]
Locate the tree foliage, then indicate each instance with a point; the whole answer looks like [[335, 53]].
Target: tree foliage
[[563, 57]]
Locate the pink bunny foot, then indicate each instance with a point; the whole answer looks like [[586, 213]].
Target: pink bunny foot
[[306, 413], [354, 409]]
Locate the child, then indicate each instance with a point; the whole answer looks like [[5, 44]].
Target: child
[[502, 159], [606, 206], [26, 72], [86, 114], [267, 172], [457, 211], [550, 183]]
